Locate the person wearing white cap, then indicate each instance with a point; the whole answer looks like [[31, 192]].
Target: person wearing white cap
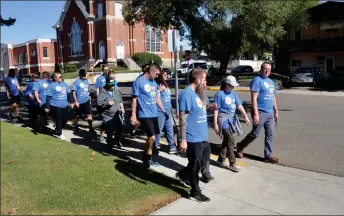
[[226, 123]]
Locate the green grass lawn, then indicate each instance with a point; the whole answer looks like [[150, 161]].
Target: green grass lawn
[[43, 175]]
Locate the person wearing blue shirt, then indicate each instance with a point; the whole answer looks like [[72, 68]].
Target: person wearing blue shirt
[[145, 98], [82, 100], [226, 122], [264, 112], [31, 102], [57, 102], [40, 91], [13, 93], [194, 133], [167, 124]]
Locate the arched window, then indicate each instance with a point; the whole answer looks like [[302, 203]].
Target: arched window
[[75, 39], [153, 40]]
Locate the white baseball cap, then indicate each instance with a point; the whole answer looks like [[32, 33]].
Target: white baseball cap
[[231, 81]]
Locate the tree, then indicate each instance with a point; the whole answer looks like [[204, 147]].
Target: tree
[[7, 22], [223, 28]]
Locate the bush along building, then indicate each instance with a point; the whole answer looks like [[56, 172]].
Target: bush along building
[[95, 31]]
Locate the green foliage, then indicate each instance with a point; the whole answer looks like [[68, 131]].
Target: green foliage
[[7, 22], [70, 68], [145, 57]]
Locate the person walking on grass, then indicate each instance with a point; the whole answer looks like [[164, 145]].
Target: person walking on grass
[[31, 102], [226, 122], [164, 123], [13, 91], [264, 112], [145, 102], [83, 104], [194, 133], [100, 83], [40, 92], [58, 99]]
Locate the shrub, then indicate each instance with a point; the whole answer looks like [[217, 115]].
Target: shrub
[[70, 68], [145, 57]]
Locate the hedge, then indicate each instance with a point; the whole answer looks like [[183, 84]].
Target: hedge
[[145, 57], [70, 68]]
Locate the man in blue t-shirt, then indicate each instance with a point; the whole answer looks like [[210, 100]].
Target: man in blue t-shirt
[[82, 100], [145, 98], [40, 91], [13, 93], [264, 112], [194, 132], [31, 102]]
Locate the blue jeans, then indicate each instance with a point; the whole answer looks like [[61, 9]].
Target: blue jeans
[[168, 126], [267, 121]]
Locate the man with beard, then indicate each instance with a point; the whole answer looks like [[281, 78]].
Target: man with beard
[[194, 132]]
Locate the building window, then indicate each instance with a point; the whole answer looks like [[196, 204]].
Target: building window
[[153, 40], [295, 62], [33, 53], [118, 10], [100, 10], [298, 34], [45, 52], [75, 39]]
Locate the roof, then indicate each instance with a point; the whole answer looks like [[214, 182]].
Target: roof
[[328, 11], [80, 5]]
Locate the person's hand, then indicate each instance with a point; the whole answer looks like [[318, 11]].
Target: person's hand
[[77, 104], [123, 110], [183, 145], [247, 120], [71, 106], [111, 102], [8, 97], [133, 120], [216, 128], [39, 101], [46, 110], [166, 116], [255, 120], [276, 117]]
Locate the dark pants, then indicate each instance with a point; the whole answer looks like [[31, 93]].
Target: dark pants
[[61, 117], [33, 116], [267, 121], [227, 147], [115, 124], [198, 156], [43, 117]]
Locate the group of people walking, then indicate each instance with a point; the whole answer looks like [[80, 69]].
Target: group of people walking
[[151, 110]]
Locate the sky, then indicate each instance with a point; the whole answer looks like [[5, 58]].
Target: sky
[[34, 20]]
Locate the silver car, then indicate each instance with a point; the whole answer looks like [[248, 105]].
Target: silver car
[[305, 75]]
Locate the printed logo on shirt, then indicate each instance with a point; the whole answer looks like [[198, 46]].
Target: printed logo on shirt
[[147, 88], [45, 85], [169, 91], [64, 91], [58, 88], [270, 87], [82, 85], [86, 89], [153, 93], [228, 100], [233, 106], [13, 82], [199, 102]]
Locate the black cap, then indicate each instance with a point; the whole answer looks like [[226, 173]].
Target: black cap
[[110, 81]]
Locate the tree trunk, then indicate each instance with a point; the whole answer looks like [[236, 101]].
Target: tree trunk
[[223, 66]]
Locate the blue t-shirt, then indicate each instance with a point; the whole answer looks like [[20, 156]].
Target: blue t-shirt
[[12, 84], [227, 102], [100, 81], [266, 91], [196, 123], [82, 90], [28, 91], [58, 93], [146, 92], [41, 87], [166, 99], [206, 96]]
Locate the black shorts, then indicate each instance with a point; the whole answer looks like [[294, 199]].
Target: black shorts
[[150, 126], [84, 109], [15, 100]]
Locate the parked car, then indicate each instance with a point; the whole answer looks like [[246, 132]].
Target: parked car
[[243, 69], [304, 75], [185, 67], [336, 78], [24, 79]]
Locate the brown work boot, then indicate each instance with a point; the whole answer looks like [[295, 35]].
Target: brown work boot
[[272, 160]]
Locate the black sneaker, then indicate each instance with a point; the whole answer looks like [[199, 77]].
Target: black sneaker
[[92, 130], [119, 145], [173, 150], [76, 129], [184, 182], [133, 134], [199, 197], [150, 163], [19, 118], [102, 139], [10, 116], [206, 179]]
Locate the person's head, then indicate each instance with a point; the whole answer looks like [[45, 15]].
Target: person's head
[[112, 74], [162, 78], [82, 74], [198, 79], [12, 73], [57, 77], [46, 75], [35, 77], [229, 83], [110, 83], [152, 72], [265, 69], [144, 68], [105, 69]]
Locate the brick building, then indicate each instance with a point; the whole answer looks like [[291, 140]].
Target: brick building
[[95, 30], [321, 45], [35, 55]]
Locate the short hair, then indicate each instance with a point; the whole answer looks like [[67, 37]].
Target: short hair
[[12, 72], [196, 74], [82, 72], [45, 73], [104, 65], [144, 67], [264, 63], [111, 72]]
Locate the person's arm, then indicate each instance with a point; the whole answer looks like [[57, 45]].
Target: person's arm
[[74, 97], [8, 93], [133, 106], [37, 97], [243, 112], [254, 96], [97, 90], [275, 109], [135, 94], [159, 103], [216, 114]]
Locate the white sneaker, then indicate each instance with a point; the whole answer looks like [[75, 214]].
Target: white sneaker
[[62, 137]]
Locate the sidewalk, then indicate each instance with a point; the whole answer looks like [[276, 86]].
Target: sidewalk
[[259, 188]]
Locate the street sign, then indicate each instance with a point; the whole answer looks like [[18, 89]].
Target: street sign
[[173, 43]]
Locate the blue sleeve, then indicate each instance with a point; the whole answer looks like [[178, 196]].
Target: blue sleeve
[[49, 93], [67, 88], [36, 87], [217, 99], [97, 83], [28, 89], [184, 103], [136, 89], [75, 86], [238, 102], [255, 85], [274, 86], [157, 89]]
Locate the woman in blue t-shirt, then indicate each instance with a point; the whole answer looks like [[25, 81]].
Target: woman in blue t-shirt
[[226, 122], [13, 93], [163, 122], [31, 102]]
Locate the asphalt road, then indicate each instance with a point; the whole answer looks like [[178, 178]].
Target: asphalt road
[[310, 133]]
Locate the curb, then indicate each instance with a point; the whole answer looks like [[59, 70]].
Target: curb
[[215, 88]]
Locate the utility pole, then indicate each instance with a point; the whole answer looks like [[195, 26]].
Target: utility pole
[[175, 69]]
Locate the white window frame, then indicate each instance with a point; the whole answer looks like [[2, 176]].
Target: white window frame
[[153, 40], [75, 40], [119, 12], [46, 57], [100, 10]]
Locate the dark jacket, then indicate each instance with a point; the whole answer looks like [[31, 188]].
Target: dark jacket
[[107, 111]]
